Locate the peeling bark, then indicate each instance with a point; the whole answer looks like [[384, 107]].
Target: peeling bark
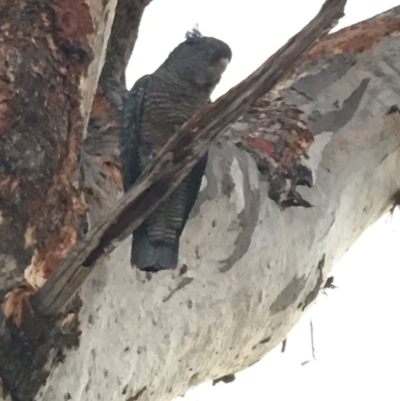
[[157, 346], [50, 62], [174, 162], [250, 265], [49, 66]]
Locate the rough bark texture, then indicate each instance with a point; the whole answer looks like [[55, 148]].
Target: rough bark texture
[[49, 67], [249, 265], [101, 145], [177, 158], [51, 56], [249, 268]]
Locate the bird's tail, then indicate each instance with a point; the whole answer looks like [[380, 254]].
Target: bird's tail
[[152, 256]]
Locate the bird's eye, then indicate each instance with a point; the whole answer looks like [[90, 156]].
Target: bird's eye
[[208, 87]]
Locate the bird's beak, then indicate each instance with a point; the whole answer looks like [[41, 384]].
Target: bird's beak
[[222, 64]]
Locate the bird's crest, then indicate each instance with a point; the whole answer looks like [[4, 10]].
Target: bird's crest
[[194, 33]]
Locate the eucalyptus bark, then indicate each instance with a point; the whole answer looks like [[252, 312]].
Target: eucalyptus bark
[[175, 160], [250, 265]]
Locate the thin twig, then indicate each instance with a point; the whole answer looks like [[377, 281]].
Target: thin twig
[[312, 340]]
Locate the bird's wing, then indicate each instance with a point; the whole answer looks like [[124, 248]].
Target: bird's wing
[[193, 188], [194, 184], [130, 132]]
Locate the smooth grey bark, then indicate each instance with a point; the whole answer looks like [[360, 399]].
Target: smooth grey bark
[[174, 162], [249, 269]]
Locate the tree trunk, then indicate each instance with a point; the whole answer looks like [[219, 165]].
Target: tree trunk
[[249, 265]]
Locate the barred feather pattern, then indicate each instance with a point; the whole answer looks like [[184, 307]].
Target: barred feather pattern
[[157, 106], [165, 111]]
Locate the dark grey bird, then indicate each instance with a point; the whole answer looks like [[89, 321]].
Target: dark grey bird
[[156, 106]]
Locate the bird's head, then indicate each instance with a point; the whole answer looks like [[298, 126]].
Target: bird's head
[[200, 60]]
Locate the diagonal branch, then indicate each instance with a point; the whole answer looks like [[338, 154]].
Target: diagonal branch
[[123, 37], [106, 116], [175, 161]]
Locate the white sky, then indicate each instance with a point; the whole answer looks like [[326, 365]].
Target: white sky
[[356, 327]]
